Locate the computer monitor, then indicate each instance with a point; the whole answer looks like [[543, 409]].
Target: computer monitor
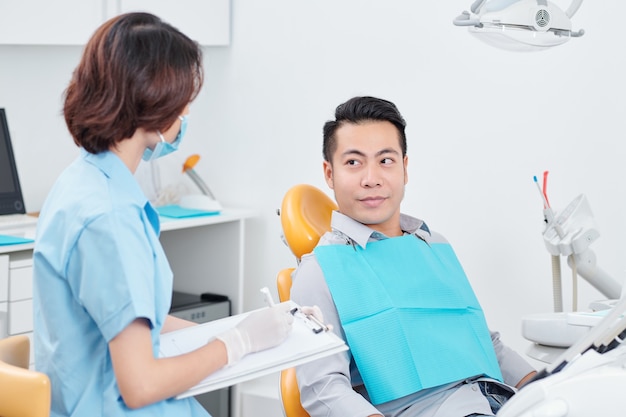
[[11, 200]]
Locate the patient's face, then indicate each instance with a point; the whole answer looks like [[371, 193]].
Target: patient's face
[[368, 174]]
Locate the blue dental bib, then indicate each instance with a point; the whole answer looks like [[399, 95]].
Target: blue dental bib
[[409, 313]]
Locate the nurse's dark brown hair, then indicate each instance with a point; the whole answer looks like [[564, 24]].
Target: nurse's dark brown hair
[[135, 72]]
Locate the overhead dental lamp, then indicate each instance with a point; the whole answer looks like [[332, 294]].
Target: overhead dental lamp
[[520, 25]]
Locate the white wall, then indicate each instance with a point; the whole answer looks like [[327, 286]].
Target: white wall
[[481, 123]]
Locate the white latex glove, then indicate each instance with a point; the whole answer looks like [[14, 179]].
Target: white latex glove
[[260, 330]]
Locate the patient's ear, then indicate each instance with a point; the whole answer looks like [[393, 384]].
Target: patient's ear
[[328, 173], [406, 172]]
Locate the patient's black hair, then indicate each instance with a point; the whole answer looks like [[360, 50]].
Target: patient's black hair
[[358, 110]]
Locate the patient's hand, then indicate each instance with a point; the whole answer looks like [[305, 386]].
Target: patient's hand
[[526, 379], [317, 313]]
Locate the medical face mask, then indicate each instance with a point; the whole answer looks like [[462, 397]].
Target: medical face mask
[[165, 148]]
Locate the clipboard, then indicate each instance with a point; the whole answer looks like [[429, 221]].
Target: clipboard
[[302, 345]]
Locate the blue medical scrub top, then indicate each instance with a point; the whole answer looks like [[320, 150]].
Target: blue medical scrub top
[[98, 265]]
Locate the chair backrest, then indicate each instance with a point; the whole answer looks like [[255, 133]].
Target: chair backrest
[[23, 392], [305, 216], [283, 282], [288, 386]]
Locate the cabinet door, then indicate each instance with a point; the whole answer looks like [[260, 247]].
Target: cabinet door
[[4, 278], [4, 296], [72, 22], [41, 22], [205, 21]]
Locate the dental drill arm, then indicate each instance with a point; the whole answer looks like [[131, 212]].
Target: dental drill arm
[[585, 265], [571, 234]]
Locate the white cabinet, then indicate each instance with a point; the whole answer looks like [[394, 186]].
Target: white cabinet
[[41, 22], [205, 21], [16, 291], [21, 294], [260, 397], [4, 295], [206, 254], [72, 22]]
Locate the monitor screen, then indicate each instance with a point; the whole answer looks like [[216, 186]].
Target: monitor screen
[[11, 201]]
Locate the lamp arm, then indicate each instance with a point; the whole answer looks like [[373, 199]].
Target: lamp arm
[[573, 8], [200, 183], [598, 278], [475, 7]]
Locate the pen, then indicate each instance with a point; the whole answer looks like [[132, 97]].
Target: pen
[[267, 296]]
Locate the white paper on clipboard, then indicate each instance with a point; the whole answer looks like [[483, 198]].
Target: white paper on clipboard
[[302, 346]]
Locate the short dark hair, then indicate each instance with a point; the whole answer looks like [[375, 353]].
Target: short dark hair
[[136, 72], [358, 110]]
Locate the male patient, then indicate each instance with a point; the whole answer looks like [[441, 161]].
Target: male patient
[[394, 290]]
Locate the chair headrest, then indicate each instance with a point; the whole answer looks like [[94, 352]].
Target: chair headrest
[[305, 216]]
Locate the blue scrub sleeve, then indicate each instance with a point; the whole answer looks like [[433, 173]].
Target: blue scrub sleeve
[[111, 271]]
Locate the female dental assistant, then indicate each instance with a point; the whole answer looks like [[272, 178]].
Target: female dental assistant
[[102, 283]]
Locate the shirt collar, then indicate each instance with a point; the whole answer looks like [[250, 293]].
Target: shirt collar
[[123, 179], [114, 169], [361, 234]]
